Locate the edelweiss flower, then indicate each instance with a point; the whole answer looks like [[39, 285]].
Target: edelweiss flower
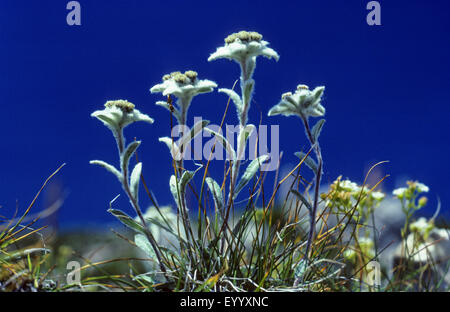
[[303, 103], [184, 87], [243, 47], [239, 46], [120, 113]]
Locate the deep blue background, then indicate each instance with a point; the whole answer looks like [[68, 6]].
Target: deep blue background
[[387, 88]]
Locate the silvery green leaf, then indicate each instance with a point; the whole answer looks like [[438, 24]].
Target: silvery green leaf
[[107, 119], [302, 199], [128, 152], [172, 109], [134, 179], [186, 177], [318, 92], [179, 190], [138, 116], [285, 107], [317, 129], [127, 220], [108, 167], [234, 97], [242, 139], [196, 129], [216, 192], [278, 109], [174, 190], [142, 242], [308, 161], [224, 142], [173, 147], [250, 173]]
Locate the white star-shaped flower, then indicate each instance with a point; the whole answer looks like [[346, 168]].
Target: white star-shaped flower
[[242, 45], [184, 87], [120, 113], [303, 103]]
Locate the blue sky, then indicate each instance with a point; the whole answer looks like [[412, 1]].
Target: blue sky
[[386, 88]]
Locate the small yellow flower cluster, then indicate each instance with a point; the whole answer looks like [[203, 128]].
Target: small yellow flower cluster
[[344, 194]]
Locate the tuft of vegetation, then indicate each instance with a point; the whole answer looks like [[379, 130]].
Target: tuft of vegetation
[[299, 241], [23, 258], [234, 235]]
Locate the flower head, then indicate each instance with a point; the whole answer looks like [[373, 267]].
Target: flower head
[[349, 186], [414, 188], [242, 45], [419, 187], [184, 87], [120, 113], [422, 227], [400, 192], [303, 102]]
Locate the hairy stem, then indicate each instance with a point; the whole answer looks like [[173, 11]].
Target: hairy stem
[[315, 144], [134, 201]]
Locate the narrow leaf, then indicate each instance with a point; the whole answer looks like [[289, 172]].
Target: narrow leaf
[[171, 109], [224, 142], [234, 97], [108, 167], [317, 129], [173, 148], [242, 139], [216, 192], [128, 152], [142, 242], [135, 178], [174, 190], [127, 220], [308, 161], [302, 199], [250, 173], [196, 129], [186, 177]]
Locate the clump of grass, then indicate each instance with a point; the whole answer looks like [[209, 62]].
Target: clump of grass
[[304, 241], [23, 262]]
